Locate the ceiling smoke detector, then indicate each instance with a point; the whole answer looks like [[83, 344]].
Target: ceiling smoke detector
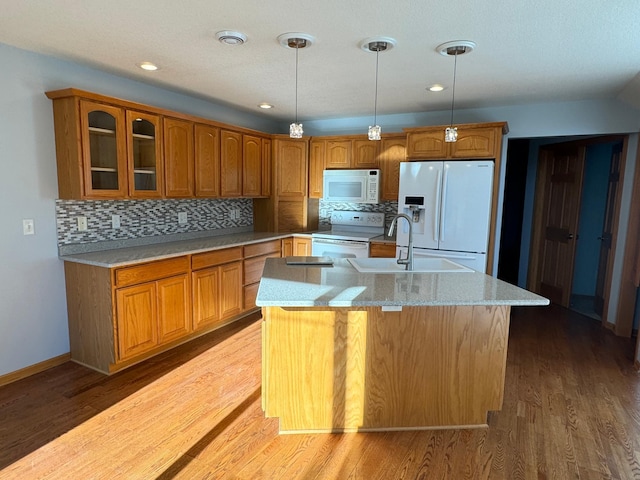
[[457, 47], [229, 37]]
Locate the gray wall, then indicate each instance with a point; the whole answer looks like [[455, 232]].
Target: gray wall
[[33, 324]]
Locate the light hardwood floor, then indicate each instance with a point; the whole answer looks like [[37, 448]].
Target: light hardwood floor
[[571, 411]]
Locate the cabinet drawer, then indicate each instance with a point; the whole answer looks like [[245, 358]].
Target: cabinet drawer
[[215, 257], [253, 267], [151, 271], [261, 248], [250, 294]]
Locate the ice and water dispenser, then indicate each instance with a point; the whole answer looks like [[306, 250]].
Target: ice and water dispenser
[[414, 207]]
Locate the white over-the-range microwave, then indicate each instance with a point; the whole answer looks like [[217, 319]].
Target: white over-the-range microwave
[[356, 186]]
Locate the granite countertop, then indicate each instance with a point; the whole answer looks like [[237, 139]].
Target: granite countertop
[[119, 257], [341, 285]]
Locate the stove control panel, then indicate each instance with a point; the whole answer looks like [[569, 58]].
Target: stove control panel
[[361, 219]]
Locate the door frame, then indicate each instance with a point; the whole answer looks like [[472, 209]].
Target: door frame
[[537, 227], [631, 266]]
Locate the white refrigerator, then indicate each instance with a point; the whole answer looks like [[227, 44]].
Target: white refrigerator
[[449, 203]]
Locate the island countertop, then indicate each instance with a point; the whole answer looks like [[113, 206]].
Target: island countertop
[[341, 285]]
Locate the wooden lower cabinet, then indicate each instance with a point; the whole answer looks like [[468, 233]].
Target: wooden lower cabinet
[[296, 246], [152, 314], [382, 249], [301, 246], [121, 316], [287, 247], [255, 255], [217, 287], [136, 318]]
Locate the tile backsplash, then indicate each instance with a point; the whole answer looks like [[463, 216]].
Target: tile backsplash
[[147, 218]]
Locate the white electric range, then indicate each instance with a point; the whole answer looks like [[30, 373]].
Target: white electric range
[[349, 235]]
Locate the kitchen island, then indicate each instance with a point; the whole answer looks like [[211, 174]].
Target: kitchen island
[[346, 351]]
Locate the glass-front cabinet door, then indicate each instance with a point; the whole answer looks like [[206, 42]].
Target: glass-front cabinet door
[[145, 155], [104, 150]]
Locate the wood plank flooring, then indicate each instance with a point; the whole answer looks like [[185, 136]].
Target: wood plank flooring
[[571, 411]]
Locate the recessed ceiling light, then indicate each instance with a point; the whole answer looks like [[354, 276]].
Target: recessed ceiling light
[[296, 40], [378, 44], [435, 88], [265, 106], [229, 37], [457, 47], [148, 66]]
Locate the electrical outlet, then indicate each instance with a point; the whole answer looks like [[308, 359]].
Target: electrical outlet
[[82, 224], [115, 221], [28, 227], [182, 218], [232, 214], [237, 214]]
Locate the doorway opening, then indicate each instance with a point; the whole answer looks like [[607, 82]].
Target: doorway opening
[[541, 244]]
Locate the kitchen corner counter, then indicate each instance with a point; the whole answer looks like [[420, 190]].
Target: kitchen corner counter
[[159, 251], [341, 285]]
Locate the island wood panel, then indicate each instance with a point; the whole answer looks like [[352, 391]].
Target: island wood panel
[[363, 369]]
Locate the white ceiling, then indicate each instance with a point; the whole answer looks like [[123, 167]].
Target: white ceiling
[[527, 51]]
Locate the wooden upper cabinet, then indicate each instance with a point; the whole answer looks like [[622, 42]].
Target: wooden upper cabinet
[[104, 151], [266, 167], [251, 166], [230, 164], [365, 153], [291, 167], [145, 156], [392, 152], [475, 140], [427, 145], [338, 154], [207, 160], [179, 158], [475, 143], [316, 167]]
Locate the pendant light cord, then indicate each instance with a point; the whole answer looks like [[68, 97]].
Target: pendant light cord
[[297, 46], [375, 102], [453, 94]]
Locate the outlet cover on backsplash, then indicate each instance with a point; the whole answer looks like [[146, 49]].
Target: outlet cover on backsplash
[[147, 218]]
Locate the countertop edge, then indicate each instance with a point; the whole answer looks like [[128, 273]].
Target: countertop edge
[[163, 251]]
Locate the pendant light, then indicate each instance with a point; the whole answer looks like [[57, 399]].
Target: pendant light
[[297, 41], [454, 49], [377, 45]]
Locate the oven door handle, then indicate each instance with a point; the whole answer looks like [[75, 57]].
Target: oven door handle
[[349, 243]]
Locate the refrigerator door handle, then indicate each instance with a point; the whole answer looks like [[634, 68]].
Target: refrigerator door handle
[[443, 210], [436, 217]]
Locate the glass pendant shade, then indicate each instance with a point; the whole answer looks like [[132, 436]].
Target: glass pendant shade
[[295, 130], [374, 132], [451, 134]]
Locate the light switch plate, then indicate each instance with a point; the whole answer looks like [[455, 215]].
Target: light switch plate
[[28, 227], [182, 218], [115, 221]]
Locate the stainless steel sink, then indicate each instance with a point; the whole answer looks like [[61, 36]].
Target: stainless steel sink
[[420, 265]]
